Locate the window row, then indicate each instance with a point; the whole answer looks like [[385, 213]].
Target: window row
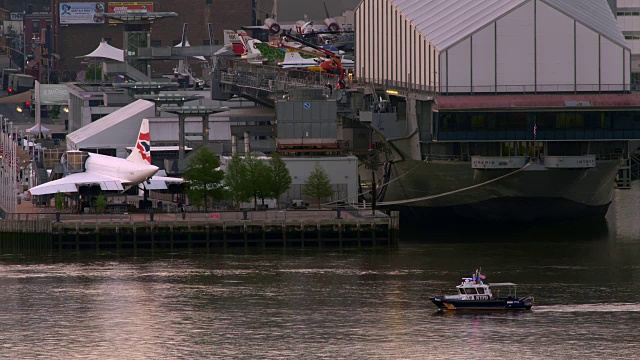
[[490, 121]]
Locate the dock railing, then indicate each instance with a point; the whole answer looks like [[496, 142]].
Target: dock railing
[[348, 213]]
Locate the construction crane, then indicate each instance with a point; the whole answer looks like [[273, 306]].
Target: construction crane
[[332, 66]]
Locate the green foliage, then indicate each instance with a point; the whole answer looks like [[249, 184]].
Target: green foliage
[[93, 73], [101, 203], [273, 54], [280, 177], [54, 111], [204, 181], [59, 200], [235, 180], [318, 185], [258, 178]]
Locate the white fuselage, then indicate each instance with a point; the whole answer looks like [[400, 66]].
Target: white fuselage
[[125, 170]]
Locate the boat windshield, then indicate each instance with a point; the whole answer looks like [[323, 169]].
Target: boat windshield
[[469, 291]]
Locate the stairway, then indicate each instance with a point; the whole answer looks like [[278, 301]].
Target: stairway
[[114, 69]]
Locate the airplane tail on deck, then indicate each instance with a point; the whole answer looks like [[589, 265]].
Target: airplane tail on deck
[[232, 39], [142, 152], [292, 57]]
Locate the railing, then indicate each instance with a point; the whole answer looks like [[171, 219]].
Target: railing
[[404, 86], [211, 216], [467, 158], [438, 157], [533, 88]]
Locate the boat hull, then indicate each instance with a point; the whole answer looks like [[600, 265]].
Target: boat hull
[[510, 304], [536, 194]]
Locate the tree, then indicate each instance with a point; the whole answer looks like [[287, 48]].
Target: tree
[[94, 73], [235, 180], [280, 177], [204, 180], [59, 201], [258, 178], [101, 203], [54, 112], [318, 185]]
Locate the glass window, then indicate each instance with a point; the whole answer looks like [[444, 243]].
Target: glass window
[[461, 290], [35, 26], [471, 291], [480, 290], [561, 121], [479, 121]]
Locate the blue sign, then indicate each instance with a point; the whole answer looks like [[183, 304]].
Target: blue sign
[[307, 106]]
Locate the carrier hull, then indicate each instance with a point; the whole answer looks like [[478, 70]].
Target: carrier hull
[[533, 194]]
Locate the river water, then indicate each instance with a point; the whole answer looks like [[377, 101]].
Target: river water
[[337, 305]]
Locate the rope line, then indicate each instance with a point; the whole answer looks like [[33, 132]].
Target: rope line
[[408, 201]]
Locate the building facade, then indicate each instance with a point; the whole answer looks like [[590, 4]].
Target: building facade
[[504, 46], [628, 15]]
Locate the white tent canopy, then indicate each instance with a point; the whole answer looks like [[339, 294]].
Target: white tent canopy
[[34, 129], [106, 51]]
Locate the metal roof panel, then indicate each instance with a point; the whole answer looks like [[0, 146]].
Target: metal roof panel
[[446, 22]]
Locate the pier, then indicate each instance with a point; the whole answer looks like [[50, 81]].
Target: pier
[[304, 229]]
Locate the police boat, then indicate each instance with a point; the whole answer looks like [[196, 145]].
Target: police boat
[[474, 294]]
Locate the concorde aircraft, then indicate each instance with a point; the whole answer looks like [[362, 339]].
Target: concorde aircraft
[[111, 174]]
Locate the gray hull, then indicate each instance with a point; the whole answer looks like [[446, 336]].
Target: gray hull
[[530, 195]]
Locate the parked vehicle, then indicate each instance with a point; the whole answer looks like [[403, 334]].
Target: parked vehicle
[[19, 83], [298, 204], [5, 77]]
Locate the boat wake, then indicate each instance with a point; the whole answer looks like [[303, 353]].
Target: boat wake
[[601, 307]]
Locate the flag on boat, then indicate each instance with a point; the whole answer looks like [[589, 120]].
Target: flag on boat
[[482, 277]]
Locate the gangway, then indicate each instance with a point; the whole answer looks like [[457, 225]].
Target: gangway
[[113, 69]]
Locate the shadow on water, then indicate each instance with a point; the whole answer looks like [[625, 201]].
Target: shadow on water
[[578, 231]]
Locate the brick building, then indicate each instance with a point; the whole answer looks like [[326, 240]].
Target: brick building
[[75, 39]]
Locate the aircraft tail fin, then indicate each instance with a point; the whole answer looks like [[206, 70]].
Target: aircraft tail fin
[[235, 41], [142, 151], [252, 50], [244, 37], [292, 57]]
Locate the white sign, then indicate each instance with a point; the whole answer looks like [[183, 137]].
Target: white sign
[[82, 13], [513, 162], [15, 16], [570, 162]]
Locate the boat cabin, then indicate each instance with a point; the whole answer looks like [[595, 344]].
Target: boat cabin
[[474, 288]]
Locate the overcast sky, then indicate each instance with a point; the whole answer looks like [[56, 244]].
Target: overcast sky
[[293, 10]]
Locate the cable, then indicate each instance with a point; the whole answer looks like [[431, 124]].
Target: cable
[[407, 201]]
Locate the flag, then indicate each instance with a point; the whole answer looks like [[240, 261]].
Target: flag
[[535, 130], [482, 277]]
